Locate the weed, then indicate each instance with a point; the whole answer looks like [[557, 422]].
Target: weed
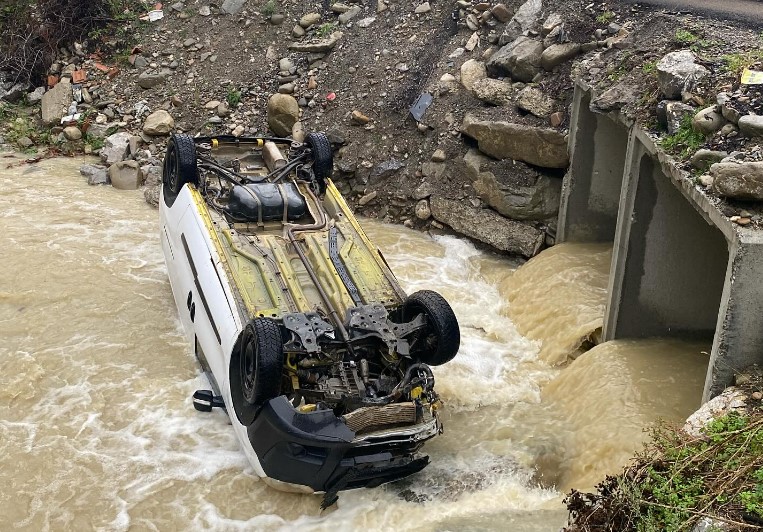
[[326, 29], [233, 98], [270, 7], [605, 17], [649, 67], [95, 142], [735, 63], [683, 36], [685, 141]]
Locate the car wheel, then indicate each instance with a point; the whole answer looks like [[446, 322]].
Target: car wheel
[[323, 158], [438, 342], [180, 163], [261, 361]]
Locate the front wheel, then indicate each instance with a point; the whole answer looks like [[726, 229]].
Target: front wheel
[[180, 163], [323, 158], [438, 342], [261, 361]]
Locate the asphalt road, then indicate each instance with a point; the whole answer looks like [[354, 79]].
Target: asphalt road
[[745, 11]]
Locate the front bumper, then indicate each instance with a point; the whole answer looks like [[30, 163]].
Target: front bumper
[[319, 451]]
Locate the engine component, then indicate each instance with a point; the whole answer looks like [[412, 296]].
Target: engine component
[[373, 418]]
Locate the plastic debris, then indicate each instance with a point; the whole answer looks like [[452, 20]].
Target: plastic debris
[[331, 96], [752, 77], [153, 16], [420, 106]]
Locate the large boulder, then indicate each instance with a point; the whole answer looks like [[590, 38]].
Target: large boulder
[[738, 180], [535, 101], [487, 226], [283, 113], [95, 174], [519, 193], [471, 72], [158, 123], [493, 91], [751, 125], [708, 120], [542, 147], [115, 148], [524, 19], [677, 72], [56, 102], [126, 175], [556, 54], [519, 59], [319, 46], [670, 114]]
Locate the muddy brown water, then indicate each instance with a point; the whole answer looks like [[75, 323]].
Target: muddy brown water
[[97, 430]]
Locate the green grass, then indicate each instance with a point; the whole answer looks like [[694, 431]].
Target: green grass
[[270, 7], [605, 17], [735, 63], [233, 98], [649, 67], [685, 141], [684, 37], [326, 29]]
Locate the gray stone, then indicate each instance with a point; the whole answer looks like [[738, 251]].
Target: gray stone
[[493, 91], [727, 109], [520, 202], [423, 8], [751, 125], [552, 21], [535, 101], [519, 59], [350, 14], [703, 159], [707, 121], [149, 80], [542, 147], [283, 113], [152, 175], [706, 524], [72, 133], [677, 72], [368, 198], [231, 7], [159, 123], [623, 93], [670, 114], [13, 93], [439, 156], [472, 71], [298, 31], [151, 195], [556, 54], [36, 95], [322, 45], [95, 174], [115, 148], [277, 19], [738, 180], [366, 22], [25, 142], [422, 210], [204, 11], [56, 102], [487, 226], [523, 20], [385, 170], [309, 20], [125, 175], [140, 62]]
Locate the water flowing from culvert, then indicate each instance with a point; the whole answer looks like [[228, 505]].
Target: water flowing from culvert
[[97, 428]]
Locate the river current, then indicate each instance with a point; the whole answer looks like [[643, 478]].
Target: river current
[[97, 429]]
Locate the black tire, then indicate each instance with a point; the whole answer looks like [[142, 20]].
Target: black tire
[[439, 341], [261, 361], [180, 163], [323, 158]]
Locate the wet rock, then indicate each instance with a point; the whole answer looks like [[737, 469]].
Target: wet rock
[[231, 7], [703, 159], [487, 226], [95, 174], [556, 54], [55, 102], [309, 20], [472, 71], [422, 210], [282, 114], [542, 147], [322, 45], [520, 202], [149, 80], [115, 148], [751, 125], [125, 175], [159, 123], [519, 59], [72, 133], [707, 121], [493, 91], [523, 20], [738, 180], [670, 114], [535, 101], [677, 72], [151, 195]]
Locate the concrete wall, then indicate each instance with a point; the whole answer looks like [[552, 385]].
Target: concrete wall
[[680, 268], [590, 196]]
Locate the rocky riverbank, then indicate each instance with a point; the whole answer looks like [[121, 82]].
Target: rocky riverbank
[[444, 116]]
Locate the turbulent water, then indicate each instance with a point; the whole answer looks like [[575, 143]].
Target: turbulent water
[[97, 429]]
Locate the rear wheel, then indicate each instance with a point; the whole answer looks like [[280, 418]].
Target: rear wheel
[[180, 163], [438, 342], [261, 361], [323, 158]]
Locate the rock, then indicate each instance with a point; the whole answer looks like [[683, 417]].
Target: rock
[[472, 71], [125, 175], [520, 202], [556, 54], [359, 118], [350, 14], [501, 12], [487, 226], [238, 131], [707, 121], [134, 145], [385, 170], [152, 175], [535, 101], [283, 113], [523, 20], [115, 147], [493, 91], [151, 195], [751, 125], [519, 59], [205, 11], [95, 174], [212, 104], [72, 133], [368, 198], [473, 41], [13, 93], [222, 110], [298, 132], [231, 7], [158, 123], [422, 210], [149, 80], [439, 156], [277, 19], [286, 88], [706, 180], [340, 8], [677, 72], [25, 142], [189, 42], [670, 114], [738, 180], [706, 524], [553, 21], [556, 119], [366, 22], [309, 19], [423, 8], [36, 95], [321, 46], [622, 94], [703, 159], [728, 110], [55, 102], [298, 31], [505, 140]]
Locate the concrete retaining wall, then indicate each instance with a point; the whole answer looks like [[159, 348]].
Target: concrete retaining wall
[[680, 268]]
